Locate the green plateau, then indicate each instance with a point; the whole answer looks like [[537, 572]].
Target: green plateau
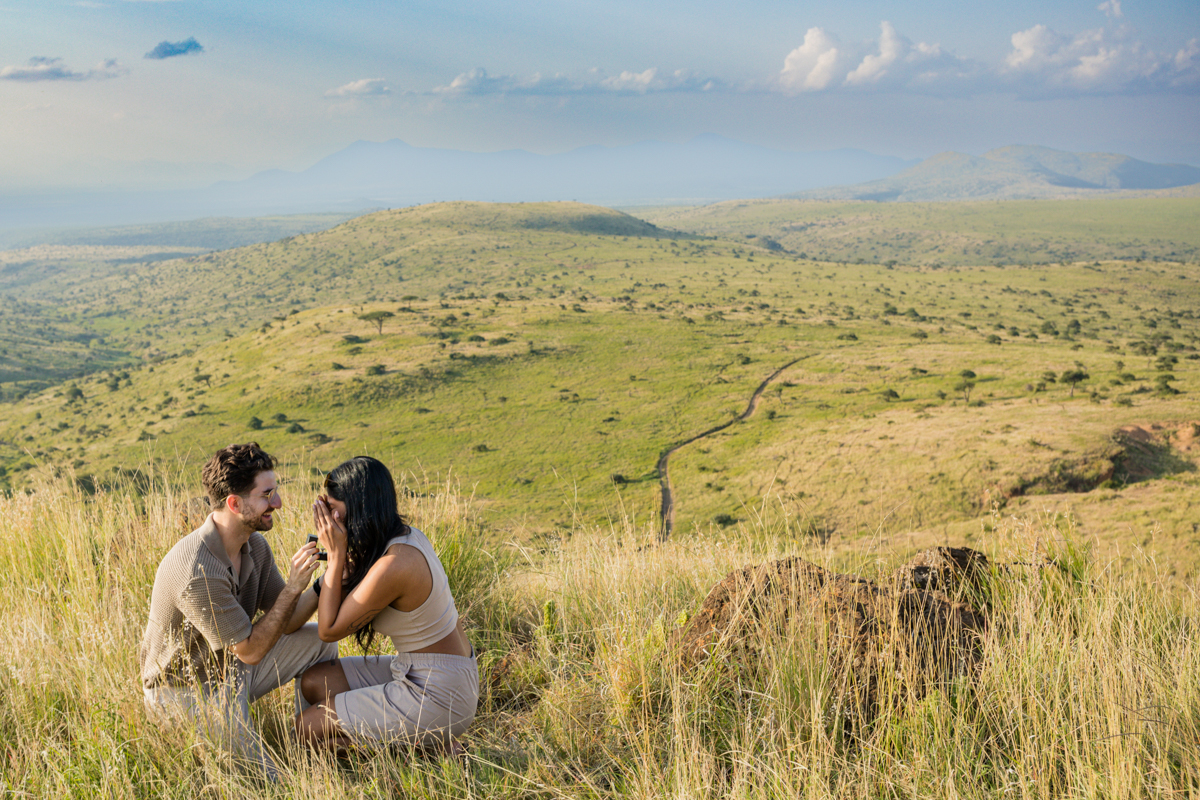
[[543, 357]]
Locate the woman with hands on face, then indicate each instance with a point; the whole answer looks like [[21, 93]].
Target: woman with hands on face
[[383, 577]]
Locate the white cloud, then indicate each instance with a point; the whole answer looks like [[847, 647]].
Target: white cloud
[[630, 81], [1185, 59], [367, 87], [1041, 63], [821, 63], [892, 47], [42, 68], [1102, 60], [479, 82], [813, 65]]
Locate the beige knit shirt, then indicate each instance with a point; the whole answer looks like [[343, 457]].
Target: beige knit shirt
[[198, 608]]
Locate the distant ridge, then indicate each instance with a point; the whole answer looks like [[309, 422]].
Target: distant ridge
[[372, 175], [1014, 173]]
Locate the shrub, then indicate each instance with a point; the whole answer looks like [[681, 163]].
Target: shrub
[[254, 424], [375, 369]]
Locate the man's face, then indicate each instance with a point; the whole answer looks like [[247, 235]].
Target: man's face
[[257, 507]]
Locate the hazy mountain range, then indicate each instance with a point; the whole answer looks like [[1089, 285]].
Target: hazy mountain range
[[369, 175], [372, 175], [1015, 172]]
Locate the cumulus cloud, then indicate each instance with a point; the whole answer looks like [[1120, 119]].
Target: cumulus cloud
[[172, 49], [1042, 62], [814, 65], [822, 63], [479, 82], [42, 68], [1100, 61], [892, 47], [367, 87]]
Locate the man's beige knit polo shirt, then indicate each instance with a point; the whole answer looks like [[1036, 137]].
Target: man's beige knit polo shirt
[[199, 608]]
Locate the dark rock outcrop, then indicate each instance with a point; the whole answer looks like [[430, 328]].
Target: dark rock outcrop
[[895, 637]]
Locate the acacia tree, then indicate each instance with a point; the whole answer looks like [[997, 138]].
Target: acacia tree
[[966, 384], [1074, 377], [376, 317]]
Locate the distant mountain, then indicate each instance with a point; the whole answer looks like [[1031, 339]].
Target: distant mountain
[[1011, 173], [370, 175]]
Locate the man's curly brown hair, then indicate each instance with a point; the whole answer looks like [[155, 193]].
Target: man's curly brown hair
[[232, 470]]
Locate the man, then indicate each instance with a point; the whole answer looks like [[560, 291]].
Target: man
[[202, 655]]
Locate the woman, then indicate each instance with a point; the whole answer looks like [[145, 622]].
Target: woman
[[391, 583]]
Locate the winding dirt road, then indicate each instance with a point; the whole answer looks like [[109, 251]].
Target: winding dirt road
[[667, 512]]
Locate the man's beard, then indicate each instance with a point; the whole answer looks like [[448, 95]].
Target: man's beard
[[258, 523]]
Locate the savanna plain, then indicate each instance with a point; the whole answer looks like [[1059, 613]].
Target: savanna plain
[[846, 383]]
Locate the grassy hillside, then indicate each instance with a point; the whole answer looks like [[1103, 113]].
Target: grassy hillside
[[545, 355], [1014, 172], [967, 233], [1085, 686]]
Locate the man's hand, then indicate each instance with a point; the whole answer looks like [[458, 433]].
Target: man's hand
[[304, 564]]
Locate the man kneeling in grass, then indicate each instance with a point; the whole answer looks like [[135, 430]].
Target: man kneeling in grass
[[207, 590]]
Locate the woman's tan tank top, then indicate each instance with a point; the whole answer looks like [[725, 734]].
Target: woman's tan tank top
[[431, 621]]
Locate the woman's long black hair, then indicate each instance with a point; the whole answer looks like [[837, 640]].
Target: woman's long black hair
[[366, 487]]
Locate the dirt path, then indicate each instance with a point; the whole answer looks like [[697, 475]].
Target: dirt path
[[667, 512]]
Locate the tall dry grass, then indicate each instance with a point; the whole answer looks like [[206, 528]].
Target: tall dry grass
[[1088, 685]]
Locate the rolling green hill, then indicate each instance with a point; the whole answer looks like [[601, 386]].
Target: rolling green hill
[[943, 234], [1015, 172], [543, 356]]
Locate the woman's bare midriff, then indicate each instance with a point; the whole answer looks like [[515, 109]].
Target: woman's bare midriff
[[454, 643]]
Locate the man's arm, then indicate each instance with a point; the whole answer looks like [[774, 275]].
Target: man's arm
[[306, 606], [266, 631]]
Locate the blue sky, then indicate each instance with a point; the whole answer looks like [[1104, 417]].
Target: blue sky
[[183, 92]]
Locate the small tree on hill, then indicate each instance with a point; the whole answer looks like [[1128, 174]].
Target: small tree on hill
[[1074, 377], [965, 387], [376, 317]]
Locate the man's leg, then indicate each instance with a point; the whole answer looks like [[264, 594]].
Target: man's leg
[[287, 660], [221, 716]]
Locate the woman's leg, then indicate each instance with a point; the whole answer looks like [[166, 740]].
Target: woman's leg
[[321, 682], [318, 725]]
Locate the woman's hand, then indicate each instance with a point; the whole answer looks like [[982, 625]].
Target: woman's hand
[[331, 529]]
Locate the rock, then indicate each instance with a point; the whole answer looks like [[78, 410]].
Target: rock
[[911, 632], [959, 572]]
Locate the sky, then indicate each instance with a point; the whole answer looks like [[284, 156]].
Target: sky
[[166, 93]]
